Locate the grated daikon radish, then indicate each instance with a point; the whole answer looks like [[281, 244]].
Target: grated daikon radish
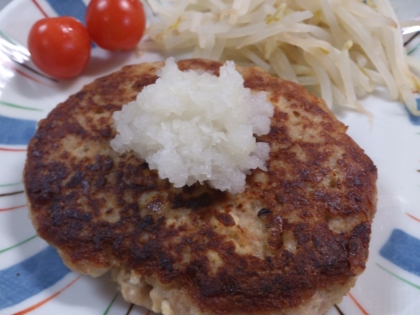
[[194, 126]]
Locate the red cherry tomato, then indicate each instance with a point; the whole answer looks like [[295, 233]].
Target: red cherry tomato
[[115, 24], [59, 46]]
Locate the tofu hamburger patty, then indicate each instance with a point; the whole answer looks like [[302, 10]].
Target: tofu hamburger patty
[[293, 242]]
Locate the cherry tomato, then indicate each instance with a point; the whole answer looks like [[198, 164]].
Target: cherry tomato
[[115, 24], [59, 46]]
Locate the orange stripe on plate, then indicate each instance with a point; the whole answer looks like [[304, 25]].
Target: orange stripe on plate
[[358, 304], [40, 8], [34, 307], [12, 150], [11, 66], [12, 208], [413, 217]]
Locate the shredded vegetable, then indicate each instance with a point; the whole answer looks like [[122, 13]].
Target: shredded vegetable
[[341, 48]]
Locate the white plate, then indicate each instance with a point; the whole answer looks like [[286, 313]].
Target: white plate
[[33, 279]]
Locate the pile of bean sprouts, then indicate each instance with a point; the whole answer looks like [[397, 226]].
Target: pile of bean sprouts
[[342, 49]]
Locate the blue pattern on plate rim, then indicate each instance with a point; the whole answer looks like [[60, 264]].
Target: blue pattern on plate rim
[[403, 250], [415, 120], [74, 8], [30, 277], [15, 131]]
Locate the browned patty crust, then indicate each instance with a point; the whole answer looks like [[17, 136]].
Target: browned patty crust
[[302, 226]]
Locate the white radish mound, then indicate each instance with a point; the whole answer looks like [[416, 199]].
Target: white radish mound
[[194, 126]]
